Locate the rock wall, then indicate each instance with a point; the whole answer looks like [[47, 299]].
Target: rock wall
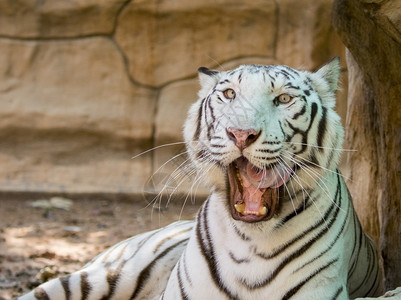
[[372, 32], [87, 85]]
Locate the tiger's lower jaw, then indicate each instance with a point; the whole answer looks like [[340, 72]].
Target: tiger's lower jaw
[[261, 212]]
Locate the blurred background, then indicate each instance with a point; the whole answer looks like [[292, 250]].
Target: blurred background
[[87, 85]]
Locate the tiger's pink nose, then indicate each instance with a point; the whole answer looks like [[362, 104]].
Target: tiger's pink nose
[[242, 138]]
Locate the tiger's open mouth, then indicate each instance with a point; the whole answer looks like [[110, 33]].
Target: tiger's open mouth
[[254, 192]]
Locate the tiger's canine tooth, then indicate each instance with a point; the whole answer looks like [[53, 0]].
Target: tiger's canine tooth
[[240, 207], [263, 211]]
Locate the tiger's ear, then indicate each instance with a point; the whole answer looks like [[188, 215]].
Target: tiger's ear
[[330, 72], [208, 79]]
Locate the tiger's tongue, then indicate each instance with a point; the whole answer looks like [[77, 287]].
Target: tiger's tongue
[[252, 196]]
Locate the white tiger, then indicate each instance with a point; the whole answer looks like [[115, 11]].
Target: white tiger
[[279, 222]]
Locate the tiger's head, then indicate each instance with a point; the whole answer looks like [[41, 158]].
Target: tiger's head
[[258, 131]]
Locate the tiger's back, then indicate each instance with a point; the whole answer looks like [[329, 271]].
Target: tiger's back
[[136, 268]]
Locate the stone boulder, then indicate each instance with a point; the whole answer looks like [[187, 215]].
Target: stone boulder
[[26, 19], [70, 119], [168, 40]]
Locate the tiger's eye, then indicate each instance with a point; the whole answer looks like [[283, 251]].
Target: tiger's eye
[[229, 94], [284, 98]]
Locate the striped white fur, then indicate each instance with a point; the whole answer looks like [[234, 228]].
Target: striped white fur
[[136, 268], [275, 124]]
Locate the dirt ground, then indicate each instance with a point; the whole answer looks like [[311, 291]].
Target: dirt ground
[[44, 242]]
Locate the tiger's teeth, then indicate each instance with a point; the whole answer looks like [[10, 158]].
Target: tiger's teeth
[[263, 211], [240, 207]]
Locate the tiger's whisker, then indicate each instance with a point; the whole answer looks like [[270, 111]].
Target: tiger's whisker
[[324, 189], [314, 164], [157, 147]]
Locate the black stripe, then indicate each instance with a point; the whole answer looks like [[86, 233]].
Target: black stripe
[[296, 288], [40, 294], [168, 238], [308, 81], [304, 248], [376, 276], [293, 103], [313, 115], [241, 234], [281, 127], [209, 136], [273, 79], [145, 273], [291, 70], [207, 71], [85, 286], [330, 157], [376, 282], [312, 161], [368, 273], [271, 143], [284, 73], [300, 113], [180, 283], [224, 81], [217, 145], [184, 263], [305, 134], [209, 105], [357, 230], [112, 279], [201, 154], [268, 150], [106, 255], [65, 283], [339, 291], [199, 121], [217, 153], [240, 77], [238, 260], [322, 127], [266, 158], [302, 207], [334, 240], [290, 86], [206, 246], [301, 235], [122, 250], [142, 243]]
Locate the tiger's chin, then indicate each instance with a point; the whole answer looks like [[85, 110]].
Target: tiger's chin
[[253, 192]]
